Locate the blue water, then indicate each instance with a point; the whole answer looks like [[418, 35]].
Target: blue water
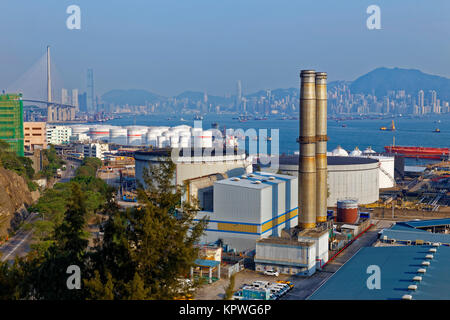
[[357, 133]]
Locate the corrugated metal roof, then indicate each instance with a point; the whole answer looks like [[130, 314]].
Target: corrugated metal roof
[[413, 235], [426, 223], [398, 266]]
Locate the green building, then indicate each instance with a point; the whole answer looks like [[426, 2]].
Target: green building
[[11, 122]]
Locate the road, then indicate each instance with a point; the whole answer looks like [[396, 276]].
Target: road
[[19, 245]]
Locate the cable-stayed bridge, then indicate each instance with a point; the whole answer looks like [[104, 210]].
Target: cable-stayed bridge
[[41, 85]]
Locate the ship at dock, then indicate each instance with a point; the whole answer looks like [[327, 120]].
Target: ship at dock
[[419, 152]]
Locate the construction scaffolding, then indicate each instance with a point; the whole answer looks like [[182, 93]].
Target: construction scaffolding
[[11, 122]]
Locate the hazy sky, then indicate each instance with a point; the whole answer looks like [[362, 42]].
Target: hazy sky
[[169, 46]]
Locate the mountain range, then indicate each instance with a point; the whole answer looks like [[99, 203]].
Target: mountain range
[[378, 82]]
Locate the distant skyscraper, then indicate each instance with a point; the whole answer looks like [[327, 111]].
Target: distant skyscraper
[[64, 96], [91, 105], [75, 99], [421, 102], [82, 100], [434, 101], [239, 96]]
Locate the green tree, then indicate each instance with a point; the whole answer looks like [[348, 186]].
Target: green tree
[[230, 289], [48, 279], [149, 248]]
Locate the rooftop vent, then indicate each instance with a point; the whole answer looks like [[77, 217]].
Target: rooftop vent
[[257, 182], [429, 256], [407, 297], [426, 263], [412, 287], [235, 179], [243, 177], [417, 278], [251, 175], [271, 178], [421, 270]]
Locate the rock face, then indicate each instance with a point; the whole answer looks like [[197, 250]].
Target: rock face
[[14, 195]]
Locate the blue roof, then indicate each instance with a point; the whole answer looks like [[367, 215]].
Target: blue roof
[[426, 223], [414, 235], [403, 227], [398, 265], [206, 263]]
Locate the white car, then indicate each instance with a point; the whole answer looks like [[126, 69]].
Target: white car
[[271, 273]]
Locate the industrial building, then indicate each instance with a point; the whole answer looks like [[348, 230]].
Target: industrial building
[[303, 248], [348, 177], [418, 232], [195, 162], [251, 207], [406, 272], [11, 123]]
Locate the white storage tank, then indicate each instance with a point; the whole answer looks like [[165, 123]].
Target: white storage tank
[[77, 129], [134, 135], [118, 135], [99, 133]]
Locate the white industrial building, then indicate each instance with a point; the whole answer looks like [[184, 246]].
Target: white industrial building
[[251, 207]]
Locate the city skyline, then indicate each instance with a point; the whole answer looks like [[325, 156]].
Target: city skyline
[[262, 45]]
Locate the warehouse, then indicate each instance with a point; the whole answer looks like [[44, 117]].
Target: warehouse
[[402, 275], [348, 177], [251, 207]]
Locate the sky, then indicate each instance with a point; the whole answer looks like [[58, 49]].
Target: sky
[[170, 46]]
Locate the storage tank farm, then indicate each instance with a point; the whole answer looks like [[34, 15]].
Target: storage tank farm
[[182, 136]]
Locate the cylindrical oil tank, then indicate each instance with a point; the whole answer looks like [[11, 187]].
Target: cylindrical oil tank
[[134, 136], [207, 139], [118, 135], [347, 211], [77, 129], [99, 133]]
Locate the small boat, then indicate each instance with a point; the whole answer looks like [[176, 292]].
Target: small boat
[[182, 119], [344, 125], [392, 127], [437, 130], [269, 138]]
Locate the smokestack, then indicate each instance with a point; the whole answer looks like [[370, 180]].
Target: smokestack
[[49, 80], [307, 157], [321, 147]]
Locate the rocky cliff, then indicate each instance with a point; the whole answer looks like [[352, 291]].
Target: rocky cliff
[[14, 196]]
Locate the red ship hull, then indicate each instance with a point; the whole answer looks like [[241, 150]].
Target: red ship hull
[[419, 152]]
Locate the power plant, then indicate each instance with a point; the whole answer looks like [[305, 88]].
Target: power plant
[[312, 169]]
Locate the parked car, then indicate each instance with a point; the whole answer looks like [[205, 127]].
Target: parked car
[[238, 295], [271, 273]]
